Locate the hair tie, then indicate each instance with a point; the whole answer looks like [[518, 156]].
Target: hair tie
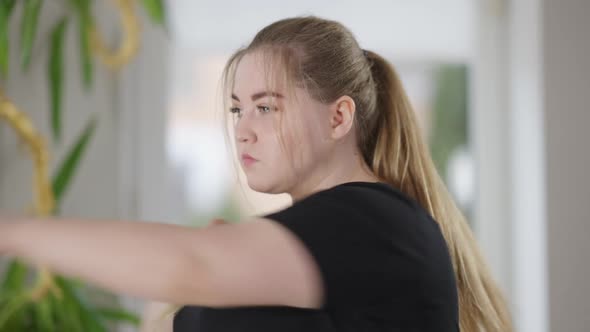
[[365, 53]]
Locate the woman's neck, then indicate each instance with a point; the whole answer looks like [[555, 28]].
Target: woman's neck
[[333, 175]]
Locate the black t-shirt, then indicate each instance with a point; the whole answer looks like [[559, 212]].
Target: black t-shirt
[[383, 260]]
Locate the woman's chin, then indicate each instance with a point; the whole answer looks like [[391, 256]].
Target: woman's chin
[[264, 186]]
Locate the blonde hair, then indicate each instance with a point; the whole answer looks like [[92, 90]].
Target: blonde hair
[[323, 57]]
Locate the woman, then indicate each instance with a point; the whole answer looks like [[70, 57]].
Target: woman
[[372, 242]]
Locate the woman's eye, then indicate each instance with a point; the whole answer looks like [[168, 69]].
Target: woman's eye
[[264, 109], [236, 111]]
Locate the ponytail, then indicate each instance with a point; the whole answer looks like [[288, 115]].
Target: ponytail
[[398, 155]]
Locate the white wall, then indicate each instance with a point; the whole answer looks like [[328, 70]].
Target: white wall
[[566, 51], [408, 30], [527, 155], [489, 134], [531, 91]]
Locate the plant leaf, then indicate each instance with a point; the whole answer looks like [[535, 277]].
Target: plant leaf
[[29, 29], [4, 41], [155, 9], [8, 5], [85, 22], [68, 168], [43, 312], [56, 75], [90, 319], [12, 307], [66, 313], [12, 291], [85, 52], [69, 308], [15, 277], [119, 314]]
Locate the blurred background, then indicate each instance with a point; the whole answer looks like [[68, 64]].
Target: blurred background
[[500, 87]]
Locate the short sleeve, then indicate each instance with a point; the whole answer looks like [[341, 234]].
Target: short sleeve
[[350, 255]]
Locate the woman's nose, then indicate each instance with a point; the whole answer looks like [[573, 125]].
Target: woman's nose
[[244, 130], [244, 138]]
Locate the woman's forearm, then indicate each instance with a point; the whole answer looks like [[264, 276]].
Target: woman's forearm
[[141, 259]]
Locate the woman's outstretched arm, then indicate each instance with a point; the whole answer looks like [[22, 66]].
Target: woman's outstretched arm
[[141, 259], [256, 262]]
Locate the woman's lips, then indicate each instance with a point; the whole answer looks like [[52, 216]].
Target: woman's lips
[[248, 160]]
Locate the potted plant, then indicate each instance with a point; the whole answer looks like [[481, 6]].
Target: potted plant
[[32, 298]]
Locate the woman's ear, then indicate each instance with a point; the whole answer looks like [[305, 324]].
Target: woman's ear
[[342, 116]]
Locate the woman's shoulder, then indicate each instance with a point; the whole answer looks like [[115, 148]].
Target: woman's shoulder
[[367, 203], [382, 190], [366, 196]]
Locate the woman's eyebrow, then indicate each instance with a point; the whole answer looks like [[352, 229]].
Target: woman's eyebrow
[[259, 95]]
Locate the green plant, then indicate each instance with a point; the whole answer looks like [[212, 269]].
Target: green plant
[[56, 303]]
